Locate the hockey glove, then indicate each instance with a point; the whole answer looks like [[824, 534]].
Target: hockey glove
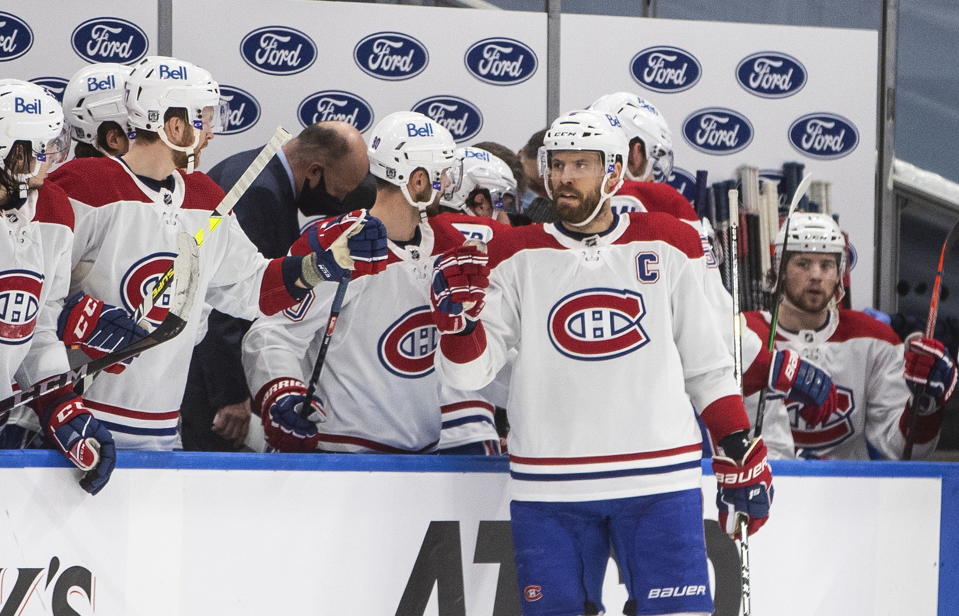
[[354, 241], [97, 328], [803, 382], [80, 437], [285, 429], [930, 373], [745, 489], [458, 292]]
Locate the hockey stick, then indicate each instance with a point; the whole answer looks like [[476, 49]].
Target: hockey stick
[[187, 263], [930, 331], [223, 209], [325, 344], [778, 295]]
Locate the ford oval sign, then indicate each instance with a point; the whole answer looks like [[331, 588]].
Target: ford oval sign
[[461, 117], [331, 105], [16, 37], [770, 74], [500, 61], [824, 135], [244, 109], [717, 131], [109, 39], [393, 56], [278, 50], [665, 69]]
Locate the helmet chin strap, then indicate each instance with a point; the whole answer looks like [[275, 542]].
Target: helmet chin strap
[[419, 205], [603, 196], [189, 150]]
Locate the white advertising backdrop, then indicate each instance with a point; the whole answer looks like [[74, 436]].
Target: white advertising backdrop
[[298, 62], [822, 80], [200, 542]]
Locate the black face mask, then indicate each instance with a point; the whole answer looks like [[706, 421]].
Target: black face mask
[[316, 201]]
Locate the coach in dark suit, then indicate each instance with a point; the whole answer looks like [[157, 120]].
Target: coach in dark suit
[[321, 172]]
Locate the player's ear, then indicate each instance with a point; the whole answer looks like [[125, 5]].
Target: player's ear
[[418, 181], [314, 172], [615, 177]]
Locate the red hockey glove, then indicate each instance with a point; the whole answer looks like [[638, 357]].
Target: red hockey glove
[[354, 241], [97, 328], [285, 429], [744, 489], [458, 293], [930, 373], [80, 437], [803, 382]]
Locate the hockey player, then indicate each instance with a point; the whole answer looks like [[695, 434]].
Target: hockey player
[[604, 313], [378, 390], [35, 241], [482, 185], [94, 110], [864, 357], [128, 212]]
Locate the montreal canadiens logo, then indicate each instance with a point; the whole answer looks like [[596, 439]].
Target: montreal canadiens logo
[[278, 50], [837, 428], [244, 110], [824, 135], [771, 74], [109, 39], [139, 281], [598, 324], [533, 592], [665, 69], [331, 105], [393, 56], [717, 131], [19, 305], [407, 346], [462, 118], [53, 85], [684, 182], [500, 61], [16, 37]]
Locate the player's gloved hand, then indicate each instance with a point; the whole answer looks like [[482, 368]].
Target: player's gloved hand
[[930, 373], [354, 241], [97, 328], [803, 382], [285, 429], [458, 291], [745, 488], [80, 437]]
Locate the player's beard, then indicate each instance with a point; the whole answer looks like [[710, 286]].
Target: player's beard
[[811, 303], [581, 209], [181, 159]]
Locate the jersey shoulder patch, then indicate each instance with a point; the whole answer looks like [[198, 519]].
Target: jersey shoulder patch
[[201, 192], [53, 206], [97, 181], [856, 324], [657, 226], [657, 197]]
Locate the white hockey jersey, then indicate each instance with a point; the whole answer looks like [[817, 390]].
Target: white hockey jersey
[[612, 354], [865, 360], [378, 384], [125, 238]]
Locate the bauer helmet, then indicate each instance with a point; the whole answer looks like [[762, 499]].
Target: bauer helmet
[[405, 141], [93, 96], [642, 120], [587, 131], [159, 83], [810, 232], [479, 169], [28, 113]]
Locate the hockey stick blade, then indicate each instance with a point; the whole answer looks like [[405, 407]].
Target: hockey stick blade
[[223, 209], [188, 275]]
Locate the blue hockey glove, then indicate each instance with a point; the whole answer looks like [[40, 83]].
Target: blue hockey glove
[[285, 430], [97, 328], [354, 241], [745, 489], [81, 438], [803, 382], [930, 373]]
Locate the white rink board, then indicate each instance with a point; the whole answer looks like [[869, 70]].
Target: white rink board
[[201, 542], [841, 67]]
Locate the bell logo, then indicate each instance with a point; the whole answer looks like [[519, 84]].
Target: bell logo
[[95, 85], [533, 593], [177, 72], [21, 105], [412, 130]]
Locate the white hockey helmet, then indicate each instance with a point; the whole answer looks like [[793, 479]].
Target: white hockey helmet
[[642, 120], [93, 96], [585, 130], [811, 232], [159, 83], [479, 169], [29, 113], [405, 141]]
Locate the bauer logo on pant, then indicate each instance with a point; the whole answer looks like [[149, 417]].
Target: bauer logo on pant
[[277, 50], [665, 69], [244, 110], [823, 135], [330, 105], [391, 55], [139, 281], [109, 39], [500, 61], [53, 85], [462, 118], [16, 37], [407, 346], [717, 131], [19, 304], [598, 324], [771, 74]]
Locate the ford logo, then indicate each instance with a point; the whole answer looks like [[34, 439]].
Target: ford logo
[[335, 105], [16, 37], [109, 39], [665, 69], [500, 61], [684, 182], [717, 131], [461, 117], [391, 55], [53, 85], [244, 110], [278, 50], [771, 75], [824, 135]]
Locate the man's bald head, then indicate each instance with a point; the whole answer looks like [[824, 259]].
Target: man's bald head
[[334, 151]]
